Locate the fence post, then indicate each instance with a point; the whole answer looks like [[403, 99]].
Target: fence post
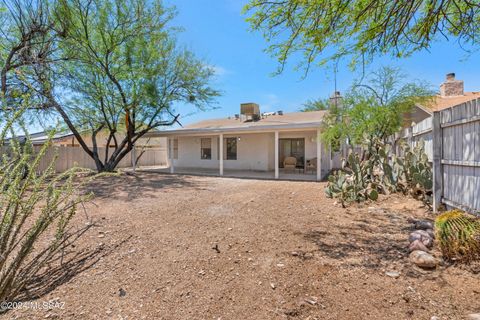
[[133, 156], [437, 161]]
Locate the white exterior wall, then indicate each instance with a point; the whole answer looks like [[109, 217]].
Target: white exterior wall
[[255, 151], [252, 152]]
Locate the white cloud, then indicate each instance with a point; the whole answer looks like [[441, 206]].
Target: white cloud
[[270, 102], [220, 71]]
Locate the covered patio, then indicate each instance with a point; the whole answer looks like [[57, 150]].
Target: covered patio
[[281, 146]]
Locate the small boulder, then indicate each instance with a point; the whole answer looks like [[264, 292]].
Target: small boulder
[[417, 235], [422, 236], [428, 242], [423, 259], [417, 245], [393, 274], [423, 225], [431, 233]]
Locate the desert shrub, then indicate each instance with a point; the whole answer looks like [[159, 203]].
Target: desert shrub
[[363, 178], [35, 211], [458, 235]]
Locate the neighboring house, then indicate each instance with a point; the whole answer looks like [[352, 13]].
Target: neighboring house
[[251, 142], [451, 94], [67, 139], [64, 139]]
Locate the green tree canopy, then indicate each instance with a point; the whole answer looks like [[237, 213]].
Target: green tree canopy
[[374, 108], [101, 65], [316, 105], [125, 72], [326, 30]]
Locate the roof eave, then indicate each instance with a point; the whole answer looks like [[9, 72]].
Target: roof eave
[[253, 129], [427, 110]]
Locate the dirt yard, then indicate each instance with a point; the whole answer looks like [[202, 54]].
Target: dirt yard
[[183, 247]]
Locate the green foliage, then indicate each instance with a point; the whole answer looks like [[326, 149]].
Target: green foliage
[[322, 31], [374, 108], [316, 105], [414, 172], [126, 73], [363, 178], [458, 235], [116, 63], [35, 212], [354, 183]]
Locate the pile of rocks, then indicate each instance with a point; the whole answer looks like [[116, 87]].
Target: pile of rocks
[[421, 242]]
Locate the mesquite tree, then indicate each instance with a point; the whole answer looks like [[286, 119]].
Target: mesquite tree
[[125, 73], [109, 66], [374, 109], [323, 31]]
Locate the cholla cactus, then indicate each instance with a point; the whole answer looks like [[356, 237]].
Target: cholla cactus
[[458, 235], [35, 210]]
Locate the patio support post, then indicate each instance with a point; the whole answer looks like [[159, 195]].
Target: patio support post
[[170, 154], [220, 153], [319, 155], [276, 154]]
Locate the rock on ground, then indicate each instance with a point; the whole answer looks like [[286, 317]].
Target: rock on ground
[[423, 259]]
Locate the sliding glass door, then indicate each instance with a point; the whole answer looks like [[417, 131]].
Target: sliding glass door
[[292, 147]]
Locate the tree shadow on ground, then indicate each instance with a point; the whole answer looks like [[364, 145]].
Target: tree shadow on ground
[[128, 186], [363, 244], [63, 268]]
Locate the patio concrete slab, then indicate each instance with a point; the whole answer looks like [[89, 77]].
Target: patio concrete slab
[[243, 174]]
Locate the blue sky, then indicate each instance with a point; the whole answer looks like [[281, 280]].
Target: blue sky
[[217, 32]]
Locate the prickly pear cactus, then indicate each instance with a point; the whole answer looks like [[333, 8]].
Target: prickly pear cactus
[[353, 183], [458, 235]]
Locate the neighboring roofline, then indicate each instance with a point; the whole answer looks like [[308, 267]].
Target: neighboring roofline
[[260, 128], [424, 108], [431, 110], [42, 137]]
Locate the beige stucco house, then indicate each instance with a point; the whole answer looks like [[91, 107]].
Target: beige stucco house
[[251, 144]]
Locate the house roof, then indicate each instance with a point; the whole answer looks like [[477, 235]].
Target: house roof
[[291, 120], [439, 103], [42, 137]]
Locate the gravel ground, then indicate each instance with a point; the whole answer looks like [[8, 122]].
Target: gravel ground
[[183, 247]]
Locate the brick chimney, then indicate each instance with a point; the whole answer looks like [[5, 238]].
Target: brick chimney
[[451, 87]]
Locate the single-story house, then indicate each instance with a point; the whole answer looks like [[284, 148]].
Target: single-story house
[[67, 139], [277, 144], [452, 93]]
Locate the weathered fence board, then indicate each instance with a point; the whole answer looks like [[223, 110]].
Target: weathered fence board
[[453, 147], [460, 157], [452, 144], [67, 157]]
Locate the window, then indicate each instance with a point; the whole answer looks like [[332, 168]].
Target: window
[[231, 148], [206, 148]]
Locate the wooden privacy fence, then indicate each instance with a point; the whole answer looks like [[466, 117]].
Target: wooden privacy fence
[[452, 143], [68, 156], [456, 156]]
